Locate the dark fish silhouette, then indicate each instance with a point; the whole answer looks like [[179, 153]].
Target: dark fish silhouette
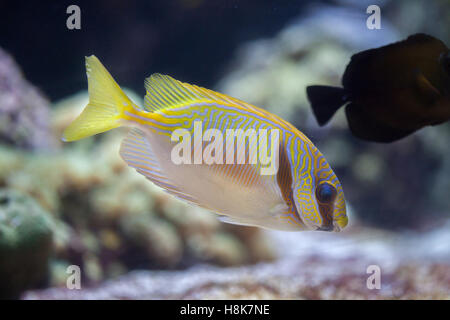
[[391, 91]]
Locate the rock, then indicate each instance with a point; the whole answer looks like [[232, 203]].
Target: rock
[[24, 111], [294, 280], [222, 248], [156, 237], [318, 266], [25, 243]]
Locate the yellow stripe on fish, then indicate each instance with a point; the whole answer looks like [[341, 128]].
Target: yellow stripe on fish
[[302, 193]]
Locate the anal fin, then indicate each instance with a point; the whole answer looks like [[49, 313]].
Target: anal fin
[[235, 221], [365, 127]]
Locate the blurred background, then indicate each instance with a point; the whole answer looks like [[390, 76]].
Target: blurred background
[[79, 204]]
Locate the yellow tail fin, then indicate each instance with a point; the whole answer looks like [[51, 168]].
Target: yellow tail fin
[[106, 104]]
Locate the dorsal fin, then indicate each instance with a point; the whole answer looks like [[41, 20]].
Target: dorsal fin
[[421, 38], [164, 92]]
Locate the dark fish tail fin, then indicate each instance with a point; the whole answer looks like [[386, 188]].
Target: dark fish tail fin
[[325, 101]]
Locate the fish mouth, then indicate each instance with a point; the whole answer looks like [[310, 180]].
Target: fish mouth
[[328, 228], [337, 226], [340, 223]]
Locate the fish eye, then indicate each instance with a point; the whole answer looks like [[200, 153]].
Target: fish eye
[[325, 193], [445, 61]]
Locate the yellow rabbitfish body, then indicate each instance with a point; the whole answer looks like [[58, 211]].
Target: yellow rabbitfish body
[[302, 193]]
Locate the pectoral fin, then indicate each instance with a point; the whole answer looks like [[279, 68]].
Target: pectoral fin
[[137, 152], [428, 93]]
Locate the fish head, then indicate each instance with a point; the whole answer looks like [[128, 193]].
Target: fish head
[[320, 202]]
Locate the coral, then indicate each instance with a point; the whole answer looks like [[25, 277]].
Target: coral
[[156, 237], [24, 120], [25, 243]]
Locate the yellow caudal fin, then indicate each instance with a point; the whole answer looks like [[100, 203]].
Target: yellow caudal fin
[[107, 103]]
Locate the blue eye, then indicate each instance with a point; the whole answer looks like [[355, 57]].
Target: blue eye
[[325, 193]]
